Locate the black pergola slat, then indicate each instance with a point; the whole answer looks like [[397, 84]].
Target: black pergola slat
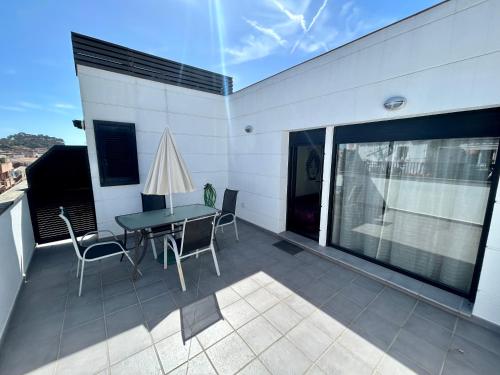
[[151, 75], [84, 40], [103, 55]]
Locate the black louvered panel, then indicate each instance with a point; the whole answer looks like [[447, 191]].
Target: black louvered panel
[[52, 228], [115, 58], [61, 177], [116, 153]]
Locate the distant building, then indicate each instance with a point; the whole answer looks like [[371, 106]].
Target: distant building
[[6, 180], [19, 173]]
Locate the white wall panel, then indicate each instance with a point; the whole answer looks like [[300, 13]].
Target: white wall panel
[[487, 305], [197, 119], [494, 234]]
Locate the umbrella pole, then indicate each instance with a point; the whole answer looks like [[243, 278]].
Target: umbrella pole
[[170, 186]]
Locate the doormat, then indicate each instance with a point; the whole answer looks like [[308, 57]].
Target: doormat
[[288, 247]]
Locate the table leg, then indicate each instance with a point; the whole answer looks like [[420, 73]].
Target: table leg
[[124, 242], [141, 237]]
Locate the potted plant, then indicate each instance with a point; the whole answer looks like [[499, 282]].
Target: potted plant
[[209, 195]]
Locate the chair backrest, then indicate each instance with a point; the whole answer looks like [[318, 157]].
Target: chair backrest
[[197, 234], [229, 202], [152, 202], [63, 214]]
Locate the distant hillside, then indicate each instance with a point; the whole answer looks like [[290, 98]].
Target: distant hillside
[[29, 141]]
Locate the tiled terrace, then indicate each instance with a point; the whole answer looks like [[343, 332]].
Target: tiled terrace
[[273, 312]]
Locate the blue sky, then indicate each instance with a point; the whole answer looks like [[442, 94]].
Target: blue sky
[[247, 39]]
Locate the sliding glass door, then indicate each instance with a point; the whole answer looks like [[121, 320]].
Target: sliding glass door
[[415, 205]]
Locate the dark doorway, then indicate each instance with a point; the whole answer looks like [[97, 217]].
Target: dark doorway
[[305, 178], [61, 177]]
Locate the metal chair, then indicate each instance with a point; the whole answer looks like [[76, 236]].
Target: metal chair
[[152, 202], [197, 237], [95, 251], [228, 212]]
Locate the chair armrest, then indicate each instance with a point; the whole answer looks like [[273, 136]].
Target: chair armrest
[[171, 241], [97, 244], [97, 232], [218, 219]]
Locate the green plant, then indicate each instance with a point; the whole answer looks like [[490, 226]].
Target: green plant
[[209, 195]]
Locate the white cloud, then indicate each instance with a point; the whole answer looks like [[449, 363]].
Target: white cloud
[[310, 44], [318, 38], [296, 18], [357, 25], [29, 105], [346, 7], [306, 36], [24, 106], [304, 26], [318, 13], [11, 108], [253, 48], [64, 106], [267, 31]]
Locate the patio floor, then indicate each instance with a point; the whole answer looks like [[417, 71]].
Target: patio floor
[[269, 312]]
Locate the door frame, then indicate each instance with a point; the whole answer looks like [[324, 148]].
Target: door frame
[[460, 124], [318, 134]]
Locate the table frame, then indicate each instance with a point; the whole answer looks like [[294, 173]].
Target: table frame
[[145, 234]]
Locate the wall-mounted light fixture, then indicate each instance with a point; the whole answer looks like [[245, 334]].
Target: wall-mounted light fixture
[[79, 124], [395, 102], [248, 129]]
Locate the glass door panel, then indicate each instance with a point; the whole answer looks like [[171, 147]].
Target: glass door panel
[[418, 206]]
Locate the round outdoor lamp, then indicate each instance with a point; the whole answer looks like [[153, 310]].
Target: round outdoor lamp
[[394, 103]]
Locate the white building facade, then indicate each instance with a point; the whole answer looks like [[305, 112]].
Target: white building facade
[[443, 60]]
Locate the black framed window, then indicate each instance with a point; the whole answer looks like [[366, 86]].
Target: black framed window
[[116, 149], [416, 195]]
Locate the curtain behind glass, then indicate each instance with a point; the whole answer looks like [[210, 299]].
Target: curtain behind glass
[[417, 205]]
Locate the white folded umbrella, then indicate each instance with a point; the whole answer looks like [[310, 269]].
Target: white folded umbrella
[[168, 173]]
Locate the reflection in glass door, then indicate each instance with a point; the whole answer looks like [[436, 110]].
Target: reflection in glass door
[[305, 177], [418, 206]]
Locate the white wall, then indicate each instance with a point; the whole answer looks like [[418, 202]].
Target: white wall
[[462, 202], [443, 60], [16, 248], [198, 121]]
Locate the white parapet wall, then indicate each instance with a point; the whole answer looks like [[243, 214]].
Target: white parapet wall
[[16, 249]]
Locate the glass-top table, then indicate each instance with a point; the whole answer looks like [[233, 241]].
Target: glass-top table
[[159, 218], [141, 223]]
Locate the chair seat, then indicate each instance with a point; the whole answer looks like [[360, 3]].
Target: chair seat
[[101, 250], [225, 219]]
